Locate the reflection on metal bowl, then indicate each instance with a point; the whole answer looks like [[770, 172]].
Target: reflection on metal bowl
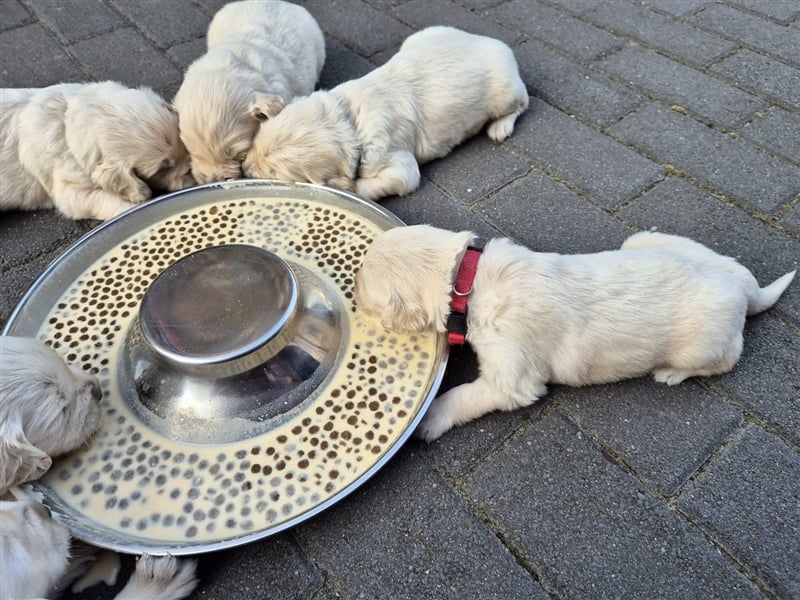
[[243, 390]]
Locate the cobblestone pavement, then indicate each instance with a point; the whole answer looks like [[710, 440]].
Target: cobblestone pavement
[[677, 114]]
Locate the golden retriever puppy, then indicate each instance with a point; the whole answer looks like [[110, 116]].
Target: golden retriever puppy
[[662, 304], [260, 56], [370, 134], [35, 551], [91, 150], [47, 408]]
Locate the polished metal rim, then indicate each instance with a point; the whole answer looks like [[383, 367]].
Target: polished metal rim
[[166, 475]]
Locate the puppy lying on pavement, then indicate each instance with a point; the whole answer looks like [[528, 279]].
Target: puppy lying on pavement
[[368, 135], [35, 550], [260, 56], [90, 150], [662, 304], [47, 408]]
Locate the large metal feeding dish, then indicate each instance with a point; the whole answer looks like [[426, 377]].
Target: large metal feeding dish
[[243, 391]]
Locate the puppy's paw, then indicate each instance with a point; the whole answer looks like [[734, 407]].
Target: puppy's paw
[[434, 424], [501, 129], [670, 376], [165, 577]]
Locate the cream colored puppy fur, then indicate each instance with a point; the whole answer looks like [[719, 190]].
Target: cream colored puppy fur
[[91, 150], [47, 408], [35, 551], [260, 56], [368, 135], [662, 304]]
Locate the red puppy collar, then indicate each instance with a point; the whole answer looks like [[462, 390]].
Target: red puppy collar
[[459, 298]]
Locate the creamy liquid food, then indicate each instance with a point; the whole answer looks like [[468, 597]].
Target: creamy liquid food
[[133, 482]]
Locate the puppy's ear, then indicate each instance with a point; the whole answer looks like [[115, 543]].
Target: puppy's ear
[[266, 106], [20, 462], [405, 316]]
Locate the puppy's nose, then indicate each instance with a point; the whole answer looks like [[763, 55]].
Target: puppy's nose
[[97, 391]]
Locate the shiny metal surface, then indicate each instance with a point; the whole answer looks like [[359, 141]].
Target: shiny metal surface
[[238, 405]]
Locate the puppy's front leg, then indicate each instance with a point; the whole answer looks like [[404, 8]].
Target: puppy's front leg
[[464, 403], [82, 200], [399, 176]]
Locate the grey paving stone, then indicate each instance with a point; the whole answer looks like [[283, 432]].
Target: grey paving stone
[[767, 377], [424, 13], [167, 23], [475, 169], [678, 207], [597, 165], [729, 165], [480, 5], [674, 83], [567, 33], [13, 14], [575, 7], [663, 433], [129, 59], [212, 6], [376, 30], [781, 10], [677, 8], [547, 217], [571, 87], [430, 205], [588, 529], [751, 30], [184, 54], [30, 57], [662, 32], [47, 227], [256, 571], [341, 64], [762, 527], [791, 220], [77, 20], [16, 281], [778, 131], [416, 520], [763, 75]]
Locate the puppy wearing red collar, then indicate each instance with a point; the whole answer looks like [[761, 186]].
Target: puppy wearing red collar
[[661, 304]]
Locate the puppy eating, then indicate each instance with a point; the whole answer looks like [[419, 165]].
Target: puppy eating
[[35, 551], [662, 304], [90, 150], [260, 56], [47, 408], [370, 134]]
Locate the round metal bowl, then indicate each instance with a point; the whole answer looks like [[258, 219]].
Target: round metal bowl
[[243, 390]]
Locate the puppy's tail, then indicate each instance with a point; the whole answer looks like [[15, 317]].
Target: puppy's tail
[[765, 297]]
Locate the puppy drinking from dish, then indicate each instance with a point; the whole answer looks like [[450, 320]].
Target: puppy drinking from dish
[[47, 408], [370, 134], [661, 304], [91, 150], [260, 56], [36, 551]]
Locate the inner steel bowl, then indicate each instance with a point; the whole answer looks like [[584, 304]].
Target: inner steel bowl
[[214, 434]]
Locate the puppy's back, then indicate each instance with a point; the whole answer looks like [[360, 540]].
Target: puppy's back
[[758, 299]]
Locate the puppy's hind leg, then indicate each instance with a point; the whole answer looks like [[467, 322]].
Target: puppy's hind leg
[[695, 367], [502, 128], [399, 176]]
